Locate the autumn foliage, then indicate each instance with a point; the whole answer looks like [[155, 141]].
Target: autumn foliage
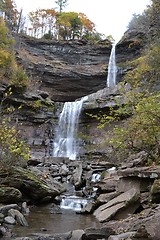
[[135, 124], [49, 23], [64, 25], [12, 148]]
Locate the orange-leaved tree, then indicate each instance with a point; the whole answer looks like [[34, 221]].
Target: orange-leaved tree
[[42, 21]]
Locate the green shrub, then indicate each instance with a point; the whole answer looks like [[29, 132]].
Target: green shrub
[[20, 79], [13, 151]]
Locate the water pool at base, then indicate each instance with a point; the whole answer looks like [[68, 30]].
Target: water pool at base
[[40, 219]]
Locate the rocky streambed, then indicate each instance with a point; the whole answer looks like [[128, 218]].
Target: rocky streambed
[[114, 201]]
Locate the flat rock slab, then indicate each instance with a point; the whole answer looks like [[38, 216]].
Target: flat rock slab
[[95, 234], [9, 220], [106, 197], [77, 234], [141, 172], [123, 236], [109, 210], [4, 209]]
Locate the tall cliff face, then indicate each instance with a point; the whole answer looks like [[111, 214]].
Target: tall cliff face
[[69, 70], [65, 71]]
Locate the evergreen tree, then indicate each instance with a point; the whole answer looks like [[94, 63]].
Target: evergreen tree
[[61, 4]]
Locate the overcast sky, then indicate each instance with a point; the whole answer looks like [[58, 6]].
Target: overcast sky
[[110, 16]]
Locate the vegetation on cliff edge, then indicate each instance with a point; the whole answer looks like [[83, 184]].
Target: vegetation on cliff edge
[[140, 130], [12, 149]]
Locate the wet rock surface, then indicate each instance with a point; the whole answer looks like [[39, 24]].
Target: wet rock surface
[[123, 210], [128, 195], [11, 214]]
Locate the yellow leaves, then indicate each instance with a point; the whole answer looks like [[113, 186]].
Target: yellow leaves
[[146, 68], [134, 43], [69, 24], [19, 107], [8, 66], [4, 57], [5, 42], [142, 129], [12, 147]]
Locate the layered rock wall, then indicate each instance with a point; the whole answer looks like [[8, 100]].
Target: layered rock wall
[[65, 71]]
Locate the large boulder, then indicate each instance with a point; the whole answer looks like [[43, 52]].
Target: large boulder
[[32, 186], [152, 224], [77, 175], [18, 216], [118, 204], [9, 195], [141, 234]]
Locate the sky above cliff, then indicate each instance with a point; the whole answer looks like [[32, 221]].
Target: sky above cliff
[[111, 17]]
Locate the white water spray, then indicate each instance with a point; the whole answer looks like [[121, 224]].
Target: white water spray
[[74, 203], [66, 143], [112, 68]]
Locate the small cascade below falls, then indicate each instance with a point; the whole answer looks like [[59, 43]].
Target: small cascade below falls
[[73, 203], [96, 177], [66, 143], [112, 68]]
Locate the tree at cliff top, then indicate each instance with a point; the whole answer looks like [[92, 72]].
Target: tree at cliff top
[[69, 25], [1, 6], [154, 20], [42, 21], [64, 25], [72, 24], [148, 22], [61, 4], [8, 67], [10, 13], [6, 57], [88, 27]]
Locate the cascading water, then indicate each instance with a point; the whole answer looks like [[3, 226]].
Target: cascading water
[[66, 143], [112, 68], [73, 203]]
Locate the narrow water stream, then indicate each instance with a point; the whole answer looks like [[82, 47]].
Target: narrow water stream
[[42, 221]]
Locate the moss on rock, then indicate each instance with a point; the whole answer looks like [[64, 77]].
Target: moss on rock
[[9, 195]]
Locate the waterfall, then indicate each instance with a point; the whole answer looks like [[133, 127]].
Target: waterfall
[[112, 68], [66, 143]]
